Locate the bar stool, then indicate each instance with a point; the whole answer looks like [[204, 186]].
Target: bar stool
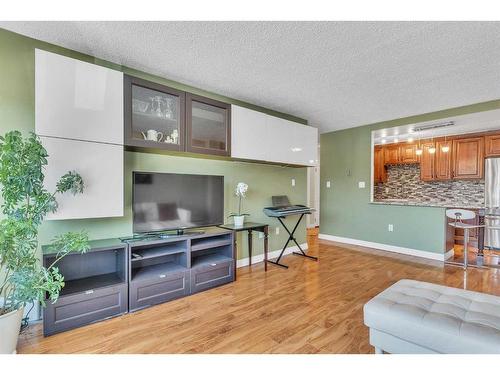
[[459, 215]]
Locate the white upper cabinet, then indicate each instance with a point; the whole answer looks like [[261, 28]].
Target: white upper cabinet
[[258, 136], [249, 138], [101, 168], [77, 100]]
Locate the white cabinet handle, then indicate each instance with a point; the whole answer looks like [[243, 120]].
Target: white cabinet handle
[[162, 276], [89, 291]]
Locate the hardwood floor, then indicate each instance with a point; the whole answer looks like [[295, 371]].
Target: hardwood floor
[[313, 307]]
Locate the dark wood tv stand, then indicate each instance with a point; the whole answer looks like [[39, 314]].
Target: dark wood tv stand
[[117, 277]]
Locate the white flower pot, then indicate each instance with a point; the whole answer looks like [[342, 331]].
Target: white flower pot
[[10, 324], [239, 220]]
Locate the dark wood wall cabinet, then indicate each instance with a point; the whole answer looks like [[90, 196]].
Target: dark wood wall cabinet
[[208, 126], [161, 118], [114, 277]]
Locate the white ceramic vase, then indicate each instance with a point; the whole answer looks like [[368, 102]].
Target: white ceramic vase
[[10, 324], [239, 220]]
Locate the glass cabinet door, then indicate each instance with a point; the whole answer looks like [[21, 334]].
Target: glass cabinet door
[[208, 126], [154, 115]]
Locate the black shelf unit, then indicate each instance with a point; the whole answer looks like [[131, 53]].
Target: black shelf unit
[[96, 286], [108, 280]]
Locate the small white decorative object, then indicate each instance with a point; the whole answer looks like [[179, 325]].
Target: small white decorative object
[[175, 136], [239, 218]]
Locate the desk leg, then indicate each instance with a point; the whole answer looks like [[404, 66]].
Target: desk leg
[[250, 247], [266, 245], [235, 255]]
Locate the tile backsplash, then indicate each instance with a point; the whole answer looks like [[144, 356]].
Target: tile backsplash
[[403, 182]]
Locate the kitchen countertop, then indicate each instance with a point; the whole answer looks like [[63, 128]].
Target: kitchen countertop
[[402, 202]]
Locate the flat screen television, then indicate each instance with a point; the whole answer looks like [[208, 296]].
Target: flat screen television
[[169, 201]]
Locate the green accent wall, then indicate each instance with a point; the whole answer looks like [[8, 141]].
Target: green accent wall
[[17, 111], [346, 210]]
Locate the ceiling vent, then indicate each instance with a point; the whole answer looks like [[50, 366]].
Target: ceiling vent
[[434, 126]]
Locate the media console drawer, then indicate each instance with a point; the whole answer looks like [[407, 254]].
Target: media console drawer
[[163, 288], [83, 308], [208, 276]]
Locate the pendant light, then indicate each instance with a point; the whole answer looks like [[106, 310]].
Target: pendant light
[[432, 149], [445, 148]]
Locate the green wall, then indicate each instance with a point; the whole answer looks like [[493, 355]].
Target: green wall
[[17, 111], [346, 210]]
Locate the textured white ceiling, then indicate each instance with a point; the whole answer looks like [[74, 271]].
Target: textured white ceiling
[[335, 74]]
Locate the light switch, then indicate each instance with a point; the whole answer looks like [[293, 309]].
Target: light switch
[[293, 181], [361, 184], [328, 184]]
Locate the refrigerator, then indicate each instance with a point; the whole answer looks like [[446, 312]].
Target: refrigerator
[[492, 203]]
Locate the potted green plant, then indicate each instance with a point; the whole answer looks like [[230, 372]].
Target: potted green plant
[[26, 202], [239, 218]]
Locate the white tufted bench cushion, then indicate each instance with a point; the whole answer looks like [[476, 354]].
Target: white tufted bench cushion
[[416, 317]]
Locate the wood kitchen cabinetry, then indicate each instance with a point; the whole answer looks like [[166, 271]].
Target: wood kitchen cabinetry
[[468, 158], [492, 145], [442, 160], [391, 154], [459, 158], [408, 153], [427, 162], [379, 172]]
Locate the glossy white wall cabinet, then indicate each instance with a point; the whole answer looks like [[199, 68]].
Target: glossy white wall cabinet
[[258, 136], [77, 100], [101, 167], [249, 138]]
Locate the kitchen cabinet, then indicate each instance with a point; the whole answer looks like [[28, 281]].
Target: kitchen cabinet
[[408, 153], [492, 145], [154, 115], [391, 154], [379, 172], [101, 167], [427, 162], [259, 136], [208, 126], [468, 158], [77, 100], [443, 160]]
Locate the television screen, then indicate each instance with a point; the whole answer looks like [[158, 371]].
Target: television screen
[[166, 201]]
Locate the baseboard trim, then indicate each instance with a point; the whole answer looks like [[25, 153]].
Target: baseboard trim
[[385, 247], [449, 254], [272, 254]]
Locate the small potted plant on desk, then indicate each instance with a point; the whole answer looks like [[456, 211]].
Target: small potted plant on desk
[[239, 218], [26, 202]]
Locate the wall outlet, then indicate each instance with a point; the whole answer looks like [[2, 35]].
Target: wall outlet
[[277, 231], [390, 228], [328, 184], [361, 184], [293, 181]]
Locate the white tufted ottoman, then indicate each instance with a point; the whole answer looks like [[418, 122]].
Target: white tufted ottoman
[[416, 317]]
